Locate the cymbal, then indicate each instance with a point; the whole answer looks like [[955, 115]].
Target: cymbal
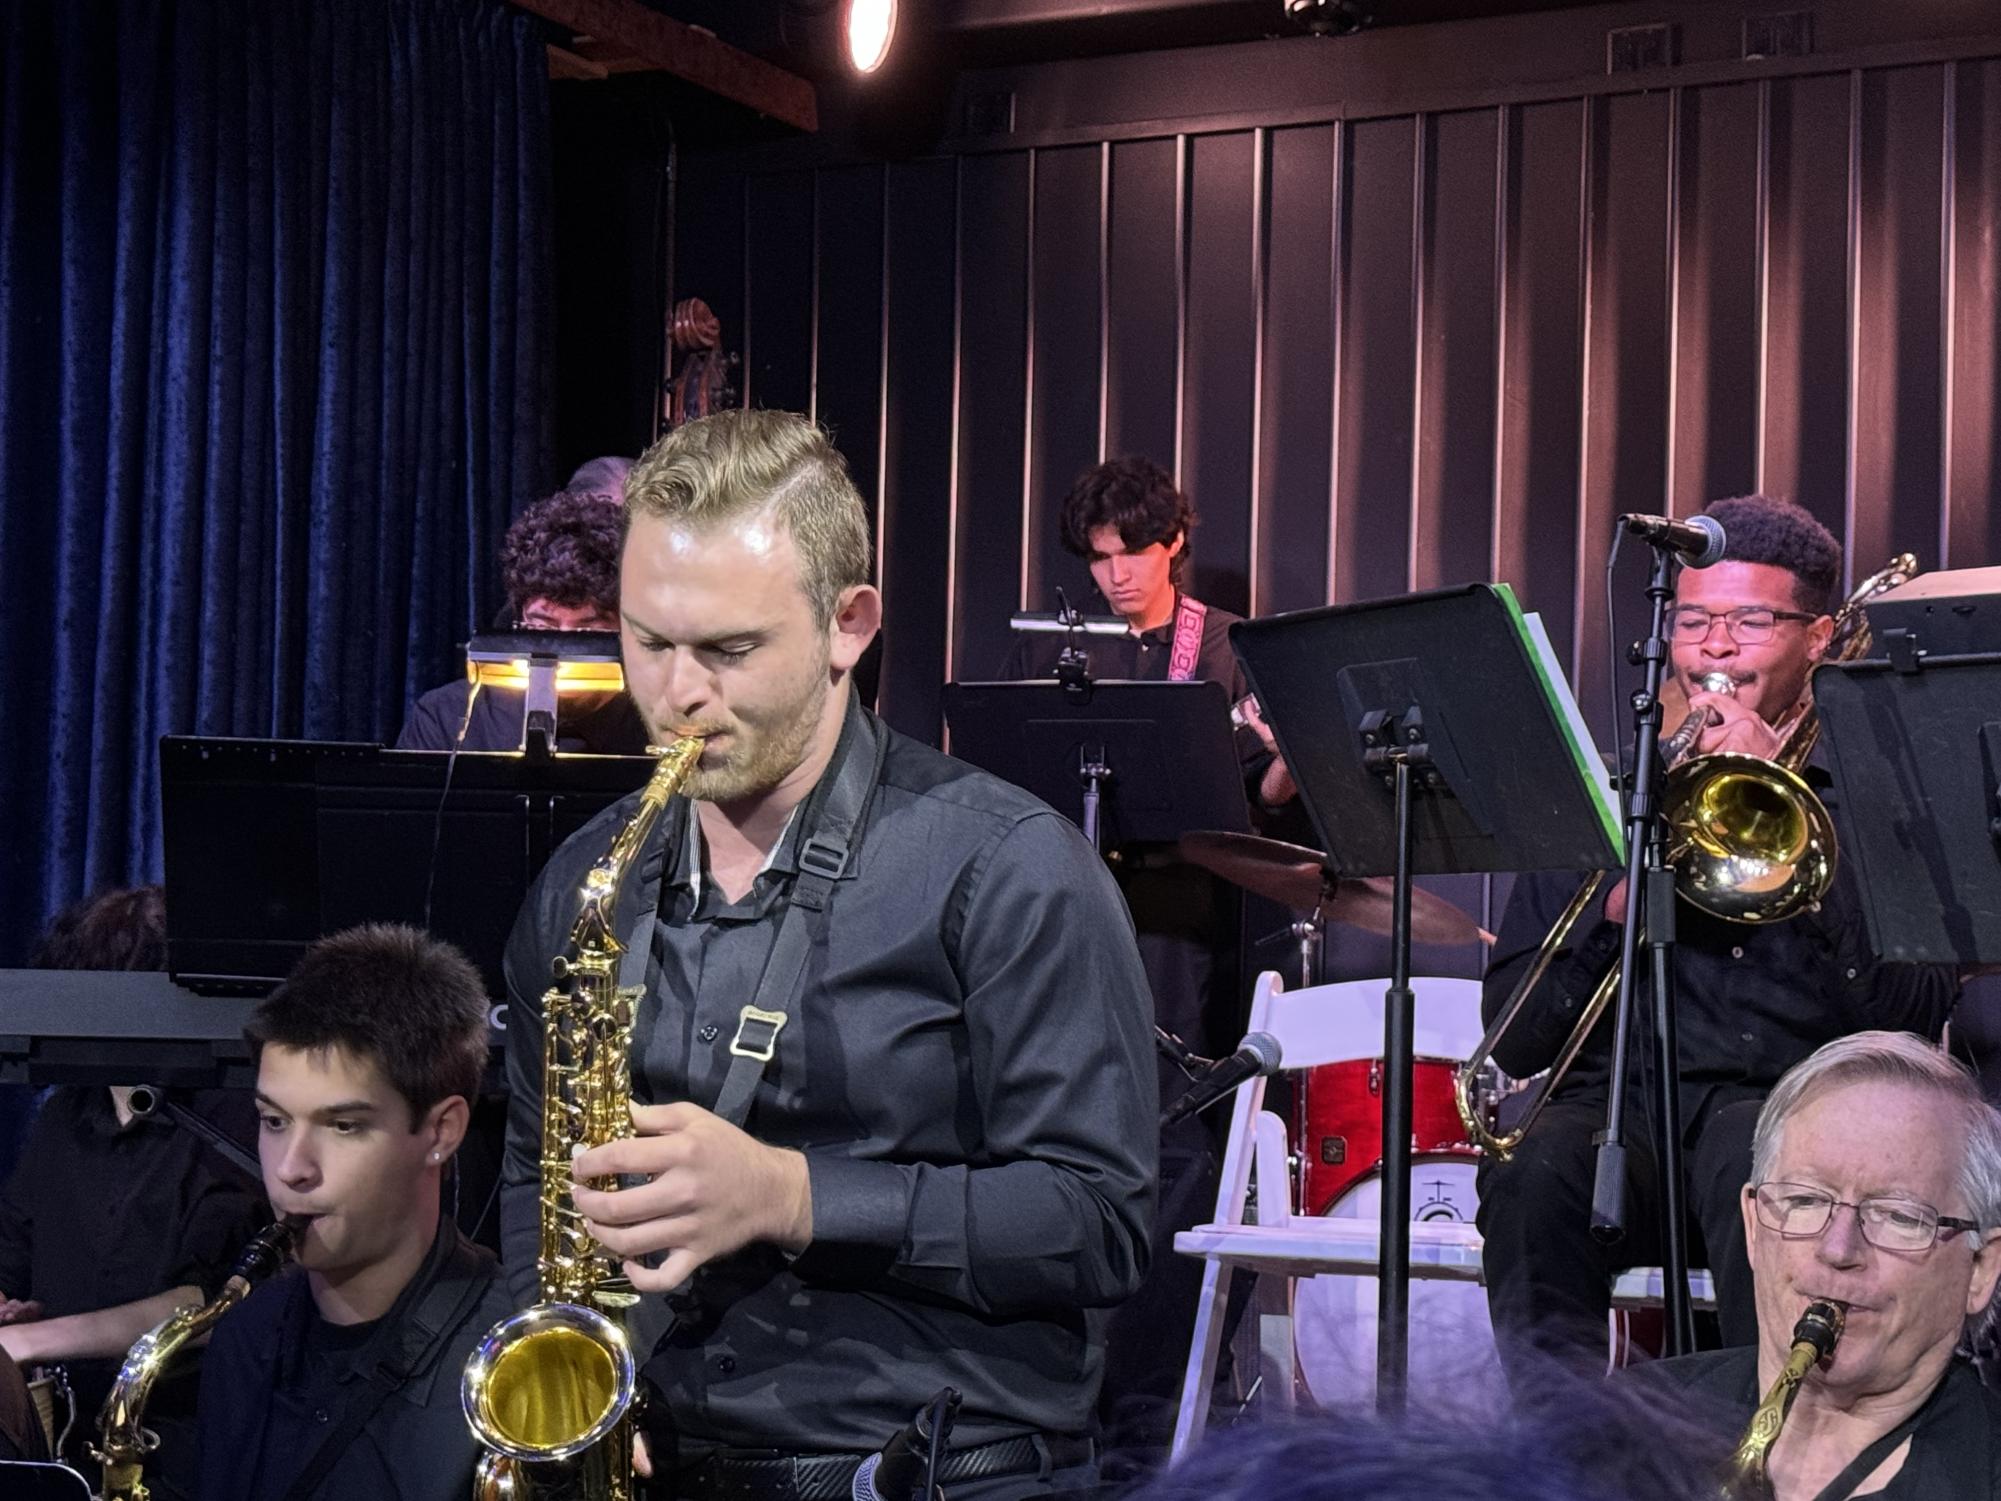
[[1295, 876]]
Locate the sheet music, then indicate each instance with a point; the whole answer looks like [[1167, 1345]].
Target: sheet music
[[1583, 748]]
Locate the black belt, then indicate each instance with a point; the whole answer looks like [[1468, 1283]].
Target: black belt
[[772, 1475]]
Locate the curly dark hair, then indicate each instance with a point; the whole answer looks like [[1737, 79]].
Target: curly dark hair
[[1135, 497], [1763, 529], [411, 1004], [120, 929], [563, 549]]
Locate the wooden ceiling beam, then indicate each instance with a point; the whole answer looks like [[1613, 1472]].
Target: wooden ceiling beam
[[689, 52]]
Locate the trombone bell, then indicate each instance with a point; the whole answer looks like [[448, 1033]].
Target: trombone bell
[[1753, 842]]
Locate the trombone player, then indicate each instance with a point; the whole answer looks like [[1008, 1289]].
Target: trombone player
[[1751, 1000]]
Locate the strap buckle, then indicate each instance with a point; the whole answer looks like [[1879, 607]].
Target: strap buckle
[[825, 858], [757, 1033]]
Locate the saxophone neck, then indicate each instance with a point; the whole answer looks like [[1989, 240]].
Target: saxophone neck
[[596, 926], [1814, 1338], [126, 1441]]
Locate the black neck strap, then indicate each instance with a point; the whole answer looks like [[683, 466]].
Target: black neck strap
[[416, 1334], [1859, 1469], [832, 822]]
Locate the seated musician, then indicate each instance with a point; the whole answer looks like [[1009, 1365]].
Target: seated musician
[[339, 1378], [1133, 527], [1751, 999], [1875, 1186], [112, 1220], [559, 566], [938, 1169]]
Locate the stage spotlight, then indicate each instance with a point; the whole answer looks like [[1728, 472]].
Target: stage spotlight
[[869, 27]]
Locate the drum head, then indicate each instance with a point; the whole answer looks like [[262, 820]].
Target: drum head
[[1453, 1364]]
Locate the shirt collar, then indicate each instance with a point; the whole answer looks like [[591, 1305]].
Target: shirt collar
[[782, 856], [1165, 630]]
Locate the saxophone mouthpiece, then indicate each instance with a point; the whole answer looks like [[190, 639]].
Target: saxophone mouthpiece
[[1819, 1326], [269, 1249]]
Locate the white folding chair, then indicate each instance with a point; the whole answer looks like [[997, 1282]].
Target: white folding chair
[[1254, 1226], [1319, 1025]]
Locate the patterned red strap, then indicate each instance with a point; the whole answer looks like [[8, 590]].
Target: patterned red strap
[[1188, 617]]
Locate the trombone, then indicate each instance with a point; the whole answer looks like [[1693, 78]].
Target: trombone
[[1749, 842]]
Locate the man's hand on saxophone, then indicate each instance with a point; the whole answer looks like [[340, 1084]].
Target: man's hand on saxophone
[[713, 1189]]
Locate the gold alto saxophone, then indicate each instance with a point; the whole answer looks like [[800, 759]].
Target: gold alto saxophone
[[1814, 1338], [126, 1441], [549, 1391]]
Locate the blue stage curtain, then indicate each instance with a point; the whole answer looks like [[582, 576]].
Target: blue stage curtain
[[274, 345]]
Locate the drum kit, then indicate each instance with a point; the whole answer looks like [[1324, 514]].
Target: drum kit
[[1337, 1137]]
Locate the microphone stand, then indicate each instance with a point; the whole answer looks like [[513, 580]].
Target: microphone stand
[[1650, 908]]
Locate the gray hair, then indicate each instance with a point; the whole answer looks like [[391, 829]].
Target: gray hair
[[1896, 1058]]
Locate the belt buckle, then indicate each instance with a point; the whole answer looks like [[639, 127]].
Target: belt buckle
[[744, 1044]]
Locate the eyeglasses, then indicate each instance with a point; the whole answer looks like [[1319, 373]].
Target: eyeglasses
[[1890, 1224], [1747, 626]]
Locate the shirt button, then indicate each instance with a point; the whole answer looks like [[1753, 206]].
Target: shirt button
[[1737, 952], [726, 1364], [1851, 974], [710, 1033], [1747, 1037], [319, 1415]]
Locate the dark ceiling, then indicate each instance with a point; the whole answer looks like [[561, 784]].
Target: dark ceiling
[[997, 33]]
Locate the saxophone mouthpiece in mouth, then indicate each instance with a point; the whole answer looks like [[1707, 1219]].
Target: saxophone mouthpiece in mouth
[[1820, 1326]]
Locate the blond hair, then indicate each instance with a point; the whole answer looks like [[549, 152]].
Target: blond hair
[[737, 463]]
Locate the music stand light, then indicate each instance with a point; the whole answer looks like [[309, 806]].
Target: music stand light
[[545, 665]]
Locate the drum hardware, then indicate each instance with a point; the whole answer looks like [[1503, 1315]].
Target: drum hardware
[[1297, 877], [1177, 1052]]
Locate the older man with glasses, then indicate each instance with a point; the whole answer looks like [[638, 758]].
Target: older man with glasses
[[1751, 1000], [1875, 1186]]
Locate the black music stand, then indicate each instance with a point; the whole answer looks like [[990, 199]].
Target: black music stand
[[1924, 739], [1128, 762], [1431, 734], [271, 844]]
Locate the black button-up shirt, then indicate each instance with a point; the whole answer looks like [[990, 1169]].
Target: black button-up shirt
[[97, 1214], [970, 1076], [1751, 999], [1955, 1446], [278, 1379]]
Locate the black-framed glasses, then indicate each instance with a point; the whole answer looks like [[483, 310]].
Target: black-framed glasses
[[1799, 1211], [1748, 626]]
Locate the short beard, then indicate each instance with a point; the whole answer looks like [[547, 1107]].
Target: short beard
[[769, 763]]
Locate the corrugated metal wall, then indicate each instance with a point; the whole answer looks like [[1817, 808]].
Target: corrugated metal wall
[[1392, 352]]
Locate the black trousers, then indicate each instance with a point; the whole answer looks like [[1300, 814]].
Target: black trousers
[[1549, 1280]]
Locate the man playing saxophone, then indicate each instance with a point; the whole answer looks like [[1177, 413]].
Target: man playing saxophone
[[339, 1380], [1751, 999], [1875, 1188], [919, 1151]]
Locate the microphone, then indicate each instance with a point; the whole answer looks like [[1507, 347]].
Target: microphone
[[1699, 539], [1176, 1052], [1258, 1057], [901, 1469]]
